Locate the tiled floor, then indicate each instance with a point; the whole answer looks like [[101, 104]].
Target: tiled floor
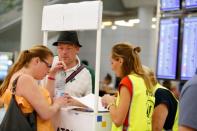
[[2, 112]]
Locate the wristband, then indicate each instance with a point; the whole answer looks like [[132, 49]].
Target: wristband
[[51, 78], [110, 104]]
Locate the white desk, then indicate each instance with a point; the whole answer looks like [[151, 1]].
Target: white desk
[[73, 120]]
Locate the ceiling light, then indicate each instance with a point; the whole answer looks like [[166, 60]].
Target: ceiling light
[[113, 27], [153, 26], [123, 23], [102, 26], [154, 19], [107, 23], [134, 21]]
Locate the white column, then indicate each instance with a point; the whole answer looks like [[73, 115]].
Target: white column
[[145, 15], [31, 33]]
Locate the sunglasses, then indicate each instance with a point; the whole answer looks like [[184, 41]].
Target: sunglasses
[[47, 64]]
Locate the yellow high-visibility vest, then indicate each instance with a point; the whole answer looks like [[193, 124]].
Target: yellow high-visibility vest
[[139, 112]]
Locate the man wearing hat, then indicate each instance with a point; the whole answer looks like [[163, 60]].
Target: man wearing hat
[[66, 64]]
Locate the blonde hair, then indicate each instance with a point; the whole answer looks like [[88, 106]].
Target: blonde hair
[[23, 61], [131, 61], [151, 75]]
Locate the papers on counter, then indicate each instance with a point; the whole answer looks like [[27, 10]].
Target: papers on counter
[[89, 101]]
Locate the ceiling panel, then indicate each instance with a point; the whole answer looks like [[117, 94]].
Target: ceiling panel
[[139, 3]]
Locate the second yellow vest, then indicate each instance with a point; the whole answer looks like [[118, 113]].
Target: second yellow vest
[[175, 125]]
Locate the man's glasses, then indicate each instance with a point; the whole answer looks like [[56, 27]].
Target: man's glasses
[[47, 64]]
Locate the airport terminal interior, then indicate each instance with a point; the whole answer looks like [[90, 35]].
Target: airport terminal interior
[[123, 20], [165, 30]]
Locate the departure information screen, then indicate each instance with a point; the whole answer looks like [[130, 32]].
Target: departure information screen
[[168, 47], [189, 51], [190, 3], [169, 5]]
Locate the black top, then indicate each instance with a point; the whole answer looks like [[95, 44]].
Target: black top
[[166, 97]]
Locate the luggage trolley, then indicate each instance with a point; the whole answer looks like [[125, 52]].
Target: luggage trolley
[[78, 16]]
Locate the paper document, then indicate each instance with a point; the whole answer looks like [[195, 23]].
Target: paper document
[[89, 101]]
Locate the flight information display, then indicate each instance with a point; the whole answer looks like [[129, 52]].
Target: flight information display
[[168, 48], [189, 51], [169, 5], [190, 3]]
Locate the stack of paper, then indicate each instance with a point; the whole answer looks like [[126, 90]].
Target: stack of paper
[[89, 101]]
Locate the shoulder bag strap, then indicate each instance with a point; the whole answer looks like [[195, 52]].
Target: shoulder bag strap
[[31, 117], [74, 73], [13, 89]]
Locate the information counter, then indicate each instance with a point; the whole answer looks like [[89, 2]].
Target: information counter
[[74, 120]]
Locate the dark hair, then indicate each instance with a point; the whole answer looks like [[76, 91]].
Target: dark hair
[[23, 61], [108, 77], [131, 61], [167, 84], [85, 62]]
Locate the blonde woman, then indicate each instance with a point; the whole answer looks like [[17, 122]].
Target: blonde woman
[[129, 111], [32, 65], [165, 114]]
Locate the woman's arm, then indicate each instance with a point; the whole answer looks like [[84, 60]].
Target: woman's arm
[[50, 84], [159, 117], [28, 88], [119, 113]]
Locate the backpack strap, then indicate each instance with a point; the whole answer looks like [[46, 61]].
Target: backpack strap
[[74, 73]]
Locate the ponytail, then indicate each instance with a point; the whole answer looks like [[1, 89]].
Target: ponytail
[[131, 61], [23, 61]]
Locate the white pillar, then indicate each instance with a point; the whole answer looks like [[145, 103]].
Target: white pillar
[[31, 33], [145, 15]]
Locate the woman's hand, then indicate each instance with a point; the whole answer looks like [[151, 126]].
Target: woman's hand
[[62, 101], [58, 67], [107, 99], [73, 102]]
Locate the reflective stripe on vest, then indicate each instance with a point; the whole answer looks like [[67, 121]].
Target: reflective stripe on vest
[[138, 117]]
